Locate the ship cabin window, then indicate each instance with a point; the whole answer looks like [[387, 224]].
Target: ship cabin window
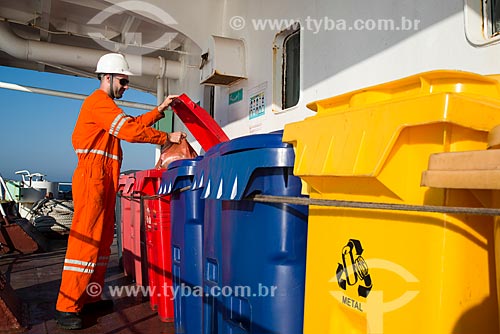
[[492, 17], [286, 63]]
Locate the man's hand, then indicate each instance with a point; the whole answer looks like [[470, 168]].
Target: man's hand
[[164, 105]]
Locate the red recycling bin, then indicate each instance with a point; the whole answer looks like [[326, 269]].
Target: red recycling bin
[[164, 261], [133, 231], [126, 184], [119, 209], [157, 223], [137, 237]]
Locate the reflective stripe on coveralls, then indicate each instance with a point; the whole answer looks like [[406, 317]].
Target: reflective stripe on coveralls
[[96, 139], [98, 152]]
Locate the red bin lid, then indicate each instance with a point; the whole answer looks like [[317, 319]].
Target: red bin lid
[[203, 127]]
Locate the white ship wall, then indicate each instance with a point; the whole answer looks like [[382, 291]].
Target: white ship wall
[[333, 60]]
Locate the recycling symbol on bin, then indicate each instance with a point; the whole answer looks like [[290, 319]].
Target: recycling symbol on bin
[[353, 269]]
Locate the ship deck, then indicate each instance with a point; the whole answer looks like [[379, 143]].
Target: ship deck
[[36, 277]]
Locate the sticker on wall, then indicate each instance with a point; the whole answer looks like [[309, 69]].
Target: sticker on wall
[[353, 270], [257, 106], [235, 96]]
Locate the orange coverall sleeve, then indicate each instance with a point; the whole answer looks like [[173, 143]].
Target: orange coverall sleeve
[[150, 118], [132, 129]]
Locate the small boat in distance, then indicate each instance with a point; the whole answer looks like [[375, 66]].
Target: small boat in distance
[[47, 205]]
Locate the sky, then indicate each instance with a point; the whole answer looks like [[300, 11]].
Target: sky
[[35, 133]]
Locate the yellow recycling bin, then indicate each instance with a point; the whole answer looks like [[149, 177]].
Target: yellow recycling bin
[[378, 271]]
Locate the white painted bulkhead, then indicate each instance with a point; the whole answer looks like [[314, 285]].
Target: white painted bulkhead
[[426, 35], [344, 46]]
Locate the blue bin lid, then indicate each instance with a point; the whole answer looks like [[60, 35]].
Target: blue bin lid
[[178, 175], [225, 174], [183, 163], [204, 166], [253, 142]]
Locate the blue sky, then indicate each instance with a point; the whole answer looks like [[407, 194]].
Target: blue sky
[[36, 129]]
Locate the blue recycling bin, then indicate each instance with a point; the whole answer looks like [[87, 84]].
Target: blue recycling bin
[[212, 244], [186, 212], [256, 252]]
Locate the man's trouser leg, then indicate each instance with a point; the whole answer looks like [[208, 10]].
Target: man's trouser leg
[[92, 189]]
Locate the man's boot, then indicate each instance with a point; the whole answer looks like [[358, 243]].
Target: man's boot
[[69, 320]]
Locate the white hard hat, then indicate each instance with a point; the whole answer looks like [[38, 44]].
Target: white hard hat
[[113, 63]]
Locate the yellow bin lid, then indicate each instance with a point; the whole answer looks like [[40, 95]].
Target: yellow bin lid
[[433, 82], [352, 134]]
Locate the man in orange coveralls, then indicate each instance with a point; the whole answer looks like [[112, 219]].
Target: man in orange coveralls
[[96, 140]]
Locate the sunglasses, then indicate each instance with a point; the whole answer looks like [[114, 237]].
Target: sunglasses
[[123, 81]]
